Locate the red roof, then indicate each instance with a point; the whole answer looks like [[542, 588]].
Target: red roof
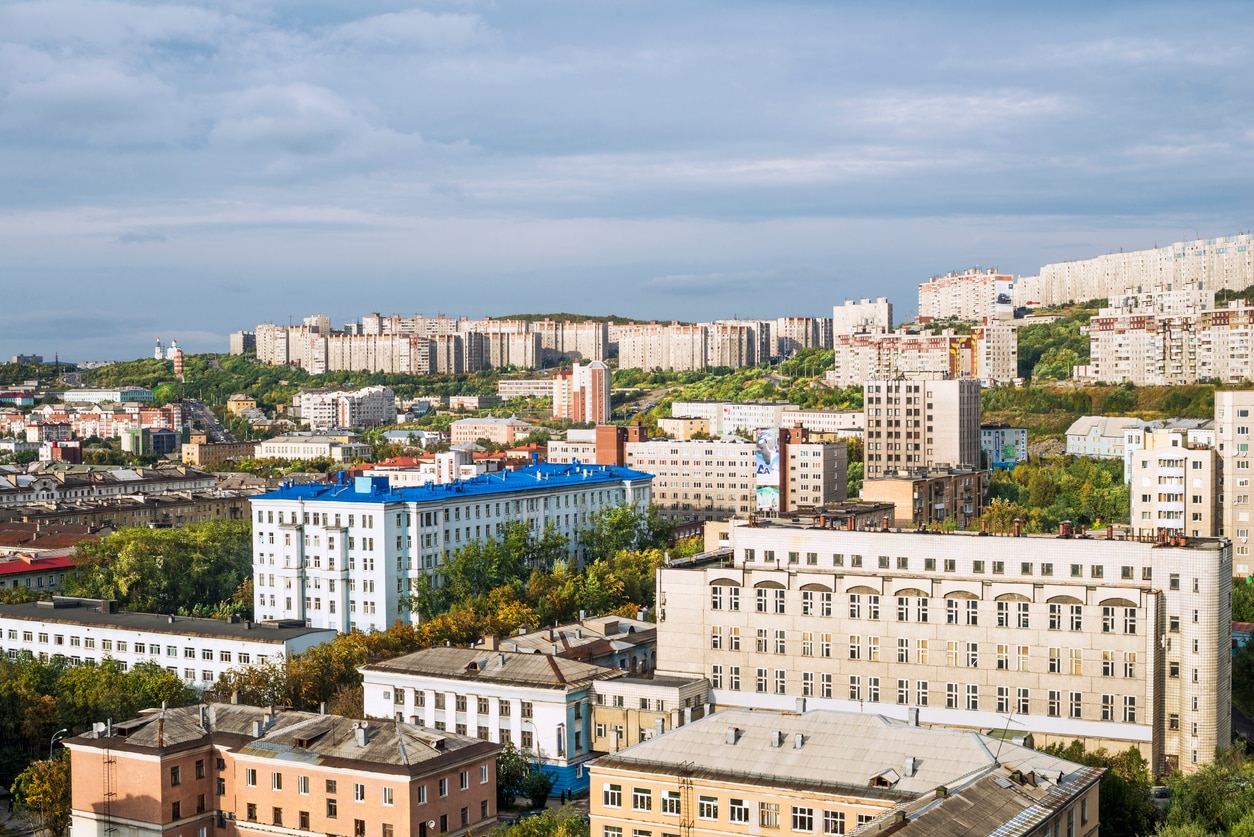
[[22, 564]]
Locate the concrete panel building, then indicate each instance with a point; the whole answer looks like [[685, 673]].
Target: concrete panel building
[[865, 316], [924, 424]]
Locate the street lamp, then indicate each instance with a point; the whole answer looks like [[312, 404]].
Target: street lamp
[[56, 736]]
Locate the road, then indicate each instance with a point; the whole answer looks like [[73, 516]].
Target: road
[[205, 418]]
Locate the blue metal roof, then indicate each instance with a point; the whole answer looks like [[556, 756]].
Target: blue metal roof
[[534, 477]]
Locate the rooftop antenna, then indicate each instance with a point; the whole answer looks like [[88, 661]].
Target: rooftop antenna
[[1010, 718]]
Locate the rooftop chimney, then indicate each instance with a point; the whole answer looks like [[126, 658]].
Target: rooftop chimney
[[912, 716], [801, 705], [797, 741], [732, 735], [362, 731], [777, 738]]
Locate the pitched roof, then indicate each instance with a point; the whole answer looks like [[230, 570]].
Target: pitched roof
[[506, 668]]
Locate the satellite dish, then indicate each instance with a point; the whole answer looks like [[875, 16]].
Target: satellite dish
[[430, 823]]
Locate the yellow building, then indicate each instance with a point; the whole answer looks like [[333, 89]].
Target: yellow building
[[741, 772], [239, 402]]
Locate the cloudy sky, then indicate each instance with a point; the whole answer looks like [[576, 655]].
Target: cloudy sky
[[185, 170]]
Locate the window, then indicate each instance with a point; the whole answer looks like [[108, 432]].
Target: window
[[443, 787], [737, 811], [834, 822], [612, 796], [302, 784], [641, 799], [359, 792], [277, 815], [768, 815], [276, 781], [333, 809], [176, 776], [387, 796], [707, 807], [802, 818], [302, 820], [200, 768], [250, 777], [670, 803], [331, 785]]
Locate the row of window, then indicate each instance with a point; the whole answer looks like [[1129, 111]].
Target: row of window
[[949, 565], [359, 826], [386, 794], [122, 646], [804, 818]]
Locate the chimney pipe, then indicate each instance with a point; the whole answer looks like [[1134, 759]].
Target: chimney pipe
[[1017, 528], [1110, 532]]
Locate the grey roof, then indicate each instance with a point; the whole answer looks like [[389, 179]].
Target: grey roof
[[506, 668], [72, 611], [839, 752], [1105, 425], [288, 735]]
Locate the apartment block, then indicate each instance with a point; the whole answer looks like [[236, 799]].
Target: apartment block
[[1232, 437], [923, 497], [87, 631], [916, 424], [1149, 349], [241, 342], [565, 341], [738, 772], [683, 428], [795, 333], [524, 388], [719, 478], [249, 771], [866, 316], [582, 394], [204, 454], [1214, 263], [502, 431], [975, 294], [305, 446], [1100, 437], [326, 407], [344, 556], [1115, 642], [1176, 489], [629, 710]]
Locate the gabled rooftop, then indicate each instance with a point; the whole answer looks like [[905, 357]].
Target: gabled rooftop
[[505, 668]]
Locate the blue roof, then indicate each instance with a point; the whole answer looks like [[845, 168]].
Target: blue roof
[[533, 477]]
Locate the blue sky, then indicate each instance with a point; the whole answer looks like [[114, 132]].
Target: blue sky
[[187, 170]]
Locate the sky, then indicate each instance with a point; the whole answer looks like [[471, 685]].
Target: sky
[[185, 170]]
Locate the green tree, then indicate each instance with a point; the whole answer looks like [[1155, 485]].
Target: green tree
[[566, 821], [512, 770], [1125, 807], [41, 792]]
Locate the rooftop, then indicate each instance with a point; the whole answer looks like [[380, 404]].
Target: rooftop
[[507, 668], [67, 610], [377, 490], [287, 735], [836, 752], [580, 640]]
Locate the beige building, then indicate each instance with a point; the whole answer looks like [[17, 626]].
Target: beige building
[[741, 773], [1233, 410], [629, 710], [203, 454], [240, 770], [966, 295], [239, 402], [502, 431], [338, 447], [1177, 489], [921, 424], [866, 316], [922, 497], [715, 479], [683, 429], [1116, 642], [795, 333]]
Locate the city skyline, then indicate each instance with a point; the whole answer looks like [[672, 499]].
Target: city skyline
[[186, 171]]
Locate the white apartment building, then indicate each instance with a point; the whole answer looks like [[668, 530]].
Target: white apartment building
[[641, 346], [1176, 489], [842, 423], [540, 702], [1215, 263], [866, 316], [861, 357], [561, 341], [445, 467], [727, 417], [716, 479], [751, 341], [1171, 433], [306, 446], [327, 407], [106, 395], [344, 556], [1003, 445], [925, 424], [1233, 409], [973, 294], [1116, 642], [87, 631], [526, 388]]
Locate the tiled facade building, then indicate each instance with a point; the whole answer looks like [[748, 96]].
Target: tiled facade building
[[1117, 642]]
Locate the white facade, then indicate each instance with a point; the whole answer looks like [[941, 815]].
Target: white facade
[[323, 409], [921, 424], [966, 295], [312, 446], [1100, 437], [1233, 411], [101, 396], [865, 316], [1175, 489], [345, 556], [1115, 642], [198, 650]]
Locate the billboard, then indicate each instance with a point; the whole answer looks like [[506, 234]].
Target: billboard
[[1004, 300], [766, 462]]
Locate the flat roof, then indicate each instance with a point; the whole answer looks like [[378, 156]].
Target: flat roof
[[842, 752], [533, 477], [86, 612], [506, 668]]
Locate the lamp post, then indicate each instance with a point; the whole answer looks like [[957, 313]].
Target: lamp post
[[56, 736]]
